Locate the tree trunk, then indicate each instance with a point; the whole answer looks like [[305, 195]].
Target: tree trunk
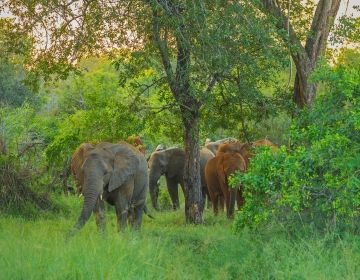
[[192, 181], [304, 92], [305, 58]]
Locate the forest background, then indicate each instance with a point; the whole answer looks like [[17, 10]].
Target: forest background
[[213, 69]]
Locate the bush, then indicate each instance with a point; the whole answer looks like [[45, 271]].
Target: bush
[[16, 196], [317, 179]]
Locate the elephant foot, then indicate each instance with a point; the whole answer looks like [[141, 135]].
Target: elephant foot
[[230, 216], [71, 234]]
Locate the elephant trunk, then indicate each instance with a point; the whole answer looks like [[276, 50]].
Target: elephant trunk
[[154, 188], [93, 187]]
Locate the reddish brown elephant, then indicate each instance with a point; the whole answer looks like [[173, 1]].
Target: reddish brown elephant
[[245, 149], [217, 172], [137, 143]]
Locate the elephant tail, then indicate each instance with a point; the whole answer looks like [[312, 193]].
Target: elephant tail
[[146, 211]]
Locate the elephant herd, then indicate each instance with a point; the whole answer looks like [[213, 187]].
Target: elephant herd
[[120, 175]]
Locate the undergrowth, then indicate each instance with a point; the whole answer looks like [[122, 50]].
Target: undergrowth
[[167, 248]]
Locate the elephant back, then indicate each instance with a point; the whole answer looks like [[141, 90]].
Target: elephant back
[[265, 142], [234, 147], [214, 146]]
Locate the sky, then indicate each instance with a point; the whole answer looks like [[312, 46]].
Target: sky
[[350, 10]]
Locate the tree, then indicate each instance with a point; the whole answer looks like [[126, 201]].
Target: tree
[[14, 49], [305, 57], [193, 40]]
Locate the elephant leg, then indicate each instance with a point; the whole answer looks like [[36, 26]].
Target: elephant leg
[[172, 186], [222, 202], [229, 199], [232, 198], [216, 204], [207, 197], [203, 198], [240, 198], [99, 212], [138, 212], [154, 197], [216, 197], [122, 204], [131, 216]]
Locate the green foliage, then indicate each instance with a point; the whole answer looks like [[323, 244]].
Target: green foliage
[[15, 49], [316, 180], [141, 74], [93, 108], [347, 29], [23, 126], [13, 92]]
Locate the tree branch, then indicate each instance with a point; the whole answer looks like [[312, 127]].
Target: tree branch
[[163, 48], [323, 20], [274, 9]]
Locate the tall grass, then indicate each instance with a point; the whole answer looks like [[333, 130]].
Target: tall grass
[[166, 248]]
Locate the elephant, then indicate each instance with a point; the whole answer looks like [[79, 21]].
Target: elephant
[[170, 162], [213, 146], [137, 143], [245, 149], [217, 172], [115, 173]]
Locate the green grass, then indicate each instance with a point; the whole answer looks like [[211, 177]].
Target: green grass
[[166, 248]]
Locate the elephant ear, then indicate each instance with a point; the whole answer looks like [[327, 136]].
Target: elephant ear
[[126, 163]]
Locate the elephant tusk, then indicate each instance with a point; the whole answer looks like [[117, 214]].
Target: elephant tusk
[[125, 211]]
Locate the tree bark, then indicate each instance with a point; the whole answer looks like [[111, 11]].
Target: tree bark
[[305, 58], [192, 182]]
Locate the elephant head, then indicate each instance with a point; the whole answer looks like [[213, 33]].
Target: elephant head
[[119, 173], [77, 160]]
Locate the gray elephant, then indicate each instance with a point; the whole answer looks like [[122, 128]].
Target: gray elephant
[[213, 146], [116, 173], [170, 162]]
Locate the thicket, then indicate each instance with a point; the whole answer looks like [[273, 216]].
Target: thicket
[[315, 180]]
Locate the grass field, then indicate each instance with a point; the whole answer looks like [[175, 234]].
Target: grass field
[[166, 248]]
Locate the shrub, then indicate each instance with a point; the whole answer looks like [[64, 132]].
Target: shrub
[[16, 195], [317, 179]]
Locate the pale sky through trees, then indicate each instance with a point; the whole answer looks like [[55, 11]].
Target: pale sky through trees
[[346, 8]]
